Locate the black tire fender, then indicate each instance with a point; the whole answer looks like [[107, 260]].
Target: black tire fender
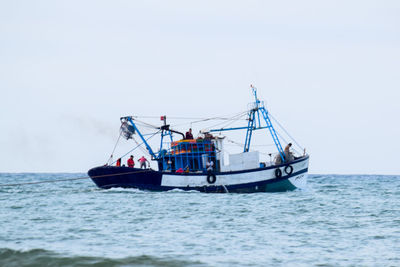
[[278, 173], [289, 169], [211, 178]]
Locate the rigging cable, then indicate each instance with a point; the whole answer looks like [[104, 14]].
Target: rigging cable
[[262, 153], [145, 124], [219, 118], [140, 147], [115, 146], [198, 120], [234, 118], [242, 145], [280, 136], [232, 122], [178, 118], [294, 140], [136, 146]]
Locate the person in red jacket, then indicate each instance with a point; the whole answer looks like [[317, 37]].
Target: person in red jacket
[[130, 162], [142, 162]]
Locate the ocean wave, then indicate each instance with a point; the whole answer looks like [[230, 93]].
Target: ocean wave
[[177, 190], [119, 190], [41, 257]]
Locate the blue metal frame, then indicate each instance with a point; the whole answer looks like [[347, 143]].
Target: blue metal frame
[[252, 125], [249, 132], [164, 133], [273, 133], [141, 136]]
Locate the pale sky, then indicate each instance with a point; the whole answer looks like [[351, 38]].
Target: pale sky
[[328, 71]]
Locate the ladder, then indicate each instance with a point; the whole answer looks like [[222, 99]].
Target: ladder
[[273, 133]]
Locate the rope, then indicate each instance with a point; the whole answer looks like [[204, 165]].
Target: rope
[[115, 146], [140, 147], [72, 179], [143, 150], [234, 119], [199, 120], [47, 181], [234, 142], [220, 118], [230, 123], [145, 124], [241, 145], [179, 118], [281, 137]]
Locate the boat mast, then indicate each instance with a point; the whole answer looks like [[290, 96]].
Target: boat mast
[[252, 122], [165, 131], [252, 125], [254, 116]]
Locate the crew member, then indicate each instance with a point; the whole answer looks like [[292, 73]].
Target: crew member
[[288, 154], [169, 165], [210, 166], [119, 162], [130, 162], [189, 134], [142, 162]]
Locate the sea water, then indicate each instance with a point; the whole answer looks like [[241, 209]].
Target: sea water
[[346, 220]]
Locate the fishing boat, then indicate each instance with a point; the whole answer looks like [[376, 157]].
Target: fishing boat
[[188, 163]]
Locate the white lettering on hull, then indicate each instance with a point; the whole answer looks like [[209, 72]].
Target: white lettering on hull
[[299, 181]]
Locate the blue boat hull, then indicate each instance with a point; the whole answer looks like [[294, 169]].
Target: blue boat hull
[[238, 181]]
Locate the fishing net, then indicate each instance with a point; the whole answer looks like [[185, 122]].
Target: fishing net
[[127, 130]]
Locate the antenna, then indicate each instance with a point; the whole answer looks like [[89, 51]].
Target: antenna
[[254, 90]]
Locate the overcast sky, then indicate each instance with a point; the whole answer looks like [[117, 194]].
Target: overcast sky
[[328, 71]]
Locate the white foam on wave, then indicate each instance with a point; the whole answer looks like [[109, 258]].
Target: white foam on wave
[[123, 190], [177, 190]]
